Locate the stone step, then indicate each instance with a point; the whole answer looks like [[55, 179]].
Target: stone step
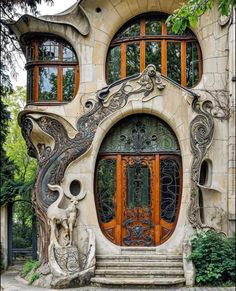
[[139, 265], [138, 250], [141, 281], [140, 258], [133, 273]]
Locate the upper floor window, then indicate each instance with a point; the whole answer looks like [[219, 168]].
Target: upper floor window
[[52, 70], [146, 40]]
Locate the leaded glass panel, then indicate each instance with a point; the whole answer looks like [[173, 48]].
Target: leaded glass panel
[[170, 187], [138, 185], [106, 188], [140, 133]]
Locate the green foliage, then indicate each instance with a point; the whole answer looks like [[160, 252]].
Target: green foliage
[[188, 14], [29, 271], [214, 258], [29, 266], [34, 277]]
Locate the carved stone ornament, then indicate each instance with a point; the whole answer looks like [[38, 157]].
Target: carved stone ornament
[[55, 150], [66, 259], [201, 137]]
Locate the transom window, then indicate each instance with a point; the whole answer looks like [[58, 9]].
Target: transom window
[[52, 70], [146, 40]]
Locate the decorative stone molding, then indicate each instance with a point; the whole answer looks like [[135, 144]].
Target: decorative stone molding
[[201, 137], [55, 150]]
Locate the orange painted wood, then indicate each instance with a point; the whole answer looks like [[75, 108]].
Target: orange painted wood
[[118, 199], [59, 83], [183, 63], [123, 61], [164, 57]]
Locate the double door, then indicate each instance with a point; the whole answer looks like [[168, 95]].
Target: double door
[[138, 197]]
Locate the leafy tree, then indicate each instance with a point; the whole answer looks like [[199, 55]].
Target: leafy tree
[[189, 13]]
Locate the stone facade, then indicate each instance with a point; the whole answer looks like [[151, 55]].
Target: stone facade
[[202, 120]]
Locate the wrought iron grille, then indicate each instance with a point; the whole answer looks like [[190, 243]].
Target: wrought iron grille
[[170, 186]]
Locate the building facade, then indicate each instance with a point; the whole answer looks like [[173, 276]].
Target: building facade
[[133, 130]]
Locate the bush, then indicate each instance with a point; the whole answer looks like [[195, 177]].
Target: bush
[[214, 258], [28, 267]]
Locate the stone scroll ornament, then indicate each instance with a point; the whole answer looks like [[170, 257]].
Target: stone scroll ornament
[[201, 137], [53, 160]]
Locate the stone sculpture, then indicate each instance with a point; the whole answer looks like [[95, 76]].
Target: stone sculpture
[[59, 217]]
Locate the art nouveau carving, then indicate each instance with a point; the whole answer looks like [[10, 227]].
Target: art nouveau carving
[[201, 136], [62, 217]]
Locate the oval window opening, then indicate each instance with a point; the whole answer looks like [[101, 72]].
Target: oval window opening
[[75, 187], [138, 182]]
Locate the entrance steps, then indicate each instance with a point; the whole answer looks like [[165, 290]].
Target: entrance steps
[[139, 269]]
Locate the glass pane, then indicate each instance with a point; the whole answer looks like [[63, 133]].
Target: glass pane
[[140, 133], [170, 186], [114, 63], [138, 185], [174, 61], [68, 83], [131, 31], [153, 27], [153, 54], [192, 66], [132, 59], [47, 83], [68, 54], [48, 50], [30, 85], [30, 52], [106, 184]]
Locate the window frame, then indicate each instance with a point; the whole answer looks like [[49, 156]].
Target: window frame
[[35, 64], [164, 39]]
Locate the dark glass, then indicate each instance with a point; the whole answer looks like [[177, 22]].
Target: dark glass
[[68, 83], [153, 27], [106, 188], [67, 54], [192, 64], [153, 54], [169, 186], [174, 61], [48, 50], [138, 185], [30, 52], [114, 64], [47, 83], [204, 173], [30, 85], [139, 133], [131, 31], [132, 59]]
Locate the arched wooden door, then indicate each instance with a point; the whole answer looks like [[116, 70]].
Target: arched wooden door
[[138, 182]]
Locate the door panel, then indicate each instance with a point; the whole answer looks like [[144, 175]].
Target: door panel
[[138, 201]]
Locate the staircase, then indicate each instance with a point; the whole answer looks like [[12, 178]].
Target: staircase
[[135, 268]]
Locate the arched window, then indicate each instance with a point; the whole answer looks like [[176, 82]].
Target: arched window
[[52, 70], [147, 39]]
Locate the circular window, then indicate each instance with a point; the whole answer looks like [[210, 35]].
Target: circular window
[[147, 39], [52, 70]]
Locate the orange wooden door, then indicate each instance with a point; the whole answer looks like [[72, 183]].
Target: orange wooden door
[[138, 202]]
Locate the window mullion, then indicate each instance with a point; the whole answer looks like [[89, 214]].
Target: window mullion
[[123, 60], [142, 46], [36, 83], [59, 83], [183, 63]]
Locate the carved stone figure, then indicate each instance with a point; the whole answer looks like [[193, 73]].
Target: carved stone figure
[[65, 218]]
